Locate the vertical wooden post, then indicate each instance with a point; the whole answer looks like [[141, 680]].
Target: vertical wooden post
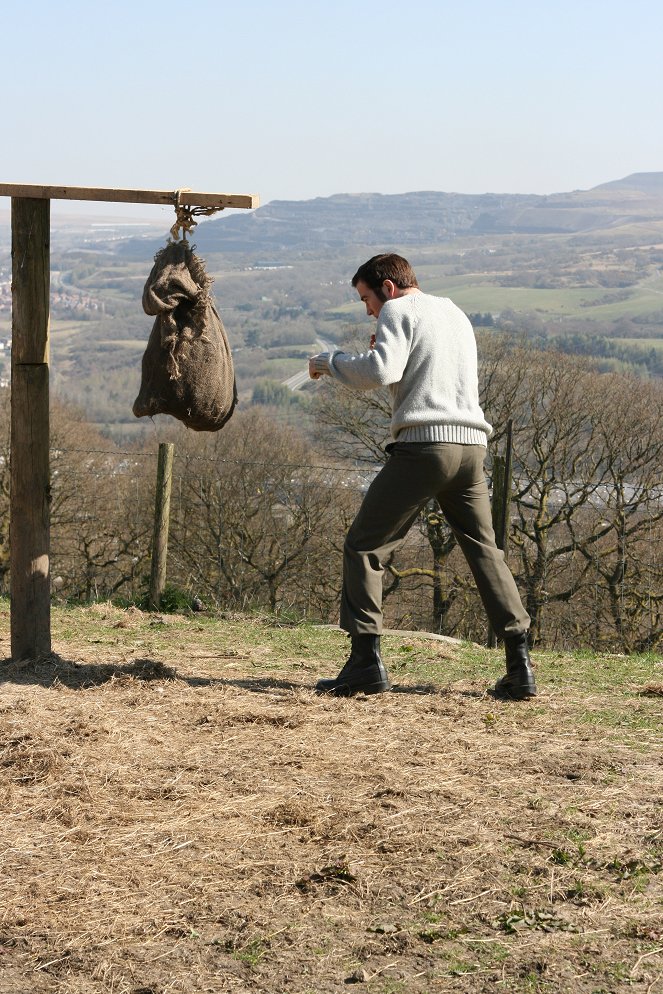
[[161, 524], [502, 504], [29, 515]]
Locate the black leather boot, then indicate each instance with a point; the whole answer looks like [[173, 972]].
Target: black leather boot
[[363, 673], [518, 684]]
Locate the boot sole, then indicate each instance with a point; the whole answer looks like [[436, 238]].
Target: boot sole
[[514, 695], [346, 691]]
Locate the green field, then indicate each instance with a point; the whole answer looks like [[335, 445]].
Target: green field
[[641, 343], [122, 343], [479, 293]]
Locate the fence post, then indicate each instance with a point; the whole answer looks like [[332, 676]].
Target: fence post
[[161, 522], [501, 504]]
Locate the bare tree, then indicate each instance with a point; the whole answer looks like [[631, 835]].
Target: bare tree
[[586, 497], [101, 507], [586, 456], [253, 519], [628, 429]]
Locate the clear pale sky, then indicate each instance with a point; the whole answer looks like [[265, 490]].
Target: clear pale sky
[[294, 99]]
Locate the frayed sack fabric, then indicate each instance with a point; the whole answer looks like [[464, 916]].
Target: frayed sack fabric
[[187, 366]]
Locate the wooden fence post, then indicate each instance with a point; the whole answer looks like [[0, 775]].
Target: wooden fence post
[[161, 524], [29, 513]]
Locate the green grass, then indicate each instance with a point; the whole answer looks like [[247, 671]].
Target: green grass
[[609, 691], [645, 719]]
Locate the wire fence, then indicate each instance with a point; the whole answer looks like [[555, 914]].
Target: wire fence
[[268, 536]]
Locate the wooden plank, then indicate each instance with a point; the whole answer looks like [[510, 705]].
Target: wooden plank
[[29, 511], [189, 198]]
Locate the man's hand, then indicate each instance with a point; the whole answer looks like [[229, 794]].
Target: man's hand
[[318, 365]]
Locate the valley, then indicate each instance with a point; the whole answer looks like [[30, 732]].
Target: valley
[[579, 272]]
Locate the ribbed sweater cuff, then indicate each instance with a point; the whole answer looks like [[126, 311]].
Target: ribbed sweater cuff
[[459, 434], [320, 363]]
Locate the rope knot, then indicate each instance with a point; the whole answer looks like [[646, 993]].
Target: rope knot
[[185, 215]]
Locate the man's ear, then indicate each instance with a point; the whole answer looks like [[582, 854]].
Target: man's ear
[[389, 289]]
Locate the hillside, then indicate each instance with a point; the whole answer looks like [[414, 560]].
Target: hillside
[[426, 218], [432, 218]]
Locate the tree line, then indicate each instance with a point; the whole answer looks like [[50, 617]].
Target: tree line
[[259, 510]]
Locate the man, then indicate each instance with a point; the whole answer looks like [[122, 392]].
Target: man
[[425, 352]]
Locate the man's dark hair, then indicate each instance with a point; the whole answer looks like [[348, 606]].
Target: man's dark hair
[[386, 267]]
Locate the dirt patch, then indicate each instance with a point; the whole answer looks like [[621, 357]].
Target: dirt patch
[[192, 818]]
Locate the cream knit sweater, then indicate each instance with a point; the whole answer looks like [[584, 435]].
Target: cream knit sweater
[[425, 352]]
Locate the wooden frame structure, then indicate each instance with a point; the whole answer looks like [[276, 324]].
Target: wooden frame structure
[[29, 516]]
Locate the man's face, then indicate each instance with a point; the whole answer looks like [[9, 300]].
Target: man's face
[[370, 298]]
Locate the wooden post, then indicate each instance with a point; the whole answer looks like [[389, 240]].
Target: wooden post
[[161, 524], [501, 505], [29, 514]]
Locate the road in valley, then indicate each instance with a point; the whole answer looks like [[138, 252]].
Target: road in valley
[[297, 381]]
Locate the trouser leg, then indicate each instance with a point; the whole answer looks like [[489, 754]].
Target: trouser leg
[[389, 509], [468, 512], [412, 476]]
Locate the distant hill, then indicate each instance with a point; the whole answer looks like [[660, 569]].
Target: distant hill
[[423, 218], [651, 183], [431, 217], [368, 218]]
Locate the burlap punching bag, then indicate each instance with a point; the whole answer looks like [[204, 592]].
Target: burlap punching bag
[[187, 366]]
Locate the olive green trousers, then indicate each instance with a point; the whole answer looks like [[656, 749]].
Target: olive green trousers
[[414, 474]]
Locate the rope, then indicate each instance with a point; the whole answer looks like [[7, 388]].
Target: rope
[[185, 216]]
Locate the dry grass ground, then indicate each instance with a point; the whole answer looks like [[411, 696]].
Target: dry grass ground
[[180, 813]]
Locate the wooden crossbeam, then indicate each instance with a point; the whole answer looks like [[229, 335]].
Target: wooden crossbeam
[[188, 198]]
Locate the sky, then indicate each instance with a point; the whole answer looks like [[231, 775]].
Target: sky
[[298, 99]]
